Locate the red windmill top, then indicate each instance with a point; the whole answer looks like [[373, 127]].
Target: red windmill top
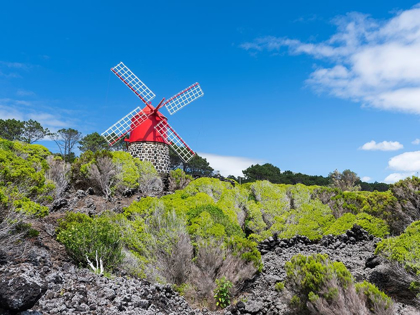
[[147, 131], [149, 124]]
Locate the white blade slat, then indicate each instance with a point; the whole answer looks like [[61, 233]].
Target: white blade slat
[[126, 124], [133, 82], [183, 98], [174, 141]]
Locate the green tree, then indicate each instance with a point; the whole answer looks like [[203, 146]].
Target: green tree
[[266, 171], [93, 142], [345, 181], [66, 139], [196, 166], [33, 131], [11, 129]]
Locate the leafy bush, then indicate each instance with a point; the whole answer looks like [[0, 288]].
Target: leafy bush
[[178, 179], [375, 203], [311, 273], [287, 210], [377, 301], [59, 173], [221, 293], [210, 186], [279, 286], [311, 220], [324, 287], [234, 203], [23, 184], [30, 208], [149, 180], [221, 248], [111, 172], [404, 248], [209, 221], [23, 168], [374, 226], [84, 237]]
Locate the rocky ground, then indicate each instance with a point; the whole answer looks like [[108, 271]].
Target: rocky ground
[[354, 249], [37, 277]]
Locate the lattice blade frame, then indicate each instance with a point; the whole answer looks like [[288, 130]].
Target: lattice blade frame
[[124, 125], [183, 98], [133, 82], [175, 141]]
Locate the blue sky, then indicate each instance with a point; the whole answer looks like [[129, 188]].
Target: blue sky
[[304, 85]]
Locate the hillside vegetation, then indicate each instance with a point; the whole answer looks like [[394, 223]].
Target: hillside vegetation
[[204, 230]]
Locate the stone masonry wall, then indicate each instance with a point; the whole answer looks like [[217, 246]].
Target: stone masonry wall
[[155, 152]]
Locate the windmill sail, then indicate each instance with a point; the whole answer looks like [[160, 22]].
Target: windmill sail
[[133, 82], [125, 125], [175, 141], [183, 98]]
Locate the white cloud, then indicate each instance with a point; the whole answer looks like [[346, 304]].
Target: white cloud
[[406, 162], [366, 179], [382, 146], [372, 62], [395, 177], [417, 141], [13, 109], [229, 165], [15, 65], [22, 92], [10, 113]]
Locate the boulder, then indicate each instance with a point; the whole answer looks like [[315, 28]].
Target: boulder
[[395, 281], [59, 203], [253, 307], [21, 287]]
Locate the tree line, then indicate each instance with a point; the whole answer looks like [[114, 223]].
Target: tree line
[[67, 138], [347, 180]]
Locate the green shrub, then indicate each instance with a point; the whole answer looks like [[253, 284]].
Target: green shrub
[[25, 228], [378, 204], [234, 203], [4, 200], [211, 186], [279, 286], [83, 236], [210, 221], [311, 220], [312, 273], [129, 169], [222, 292], [375, 298], [22, 168], [319, 285], [30, 208], [374, 226], [287, 210], [178, 179], [404, 248]]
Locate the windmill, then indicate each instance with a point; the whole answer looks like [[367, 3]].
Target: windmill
[[150, 135]]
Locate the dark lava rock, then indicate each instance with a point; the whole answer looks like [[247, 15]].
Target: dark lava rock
[[240, 305], [3, 257], [59, 203], [253, 307], [21, 287], [395, 281], [80, 194], [373, 261]]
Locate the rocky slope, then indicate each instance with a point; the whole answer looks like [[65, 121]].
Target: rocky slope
[[354, 249], [37, 276]]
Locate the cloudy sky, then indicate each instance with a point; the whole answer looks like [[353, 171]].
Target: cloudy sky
[[309, 86]]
